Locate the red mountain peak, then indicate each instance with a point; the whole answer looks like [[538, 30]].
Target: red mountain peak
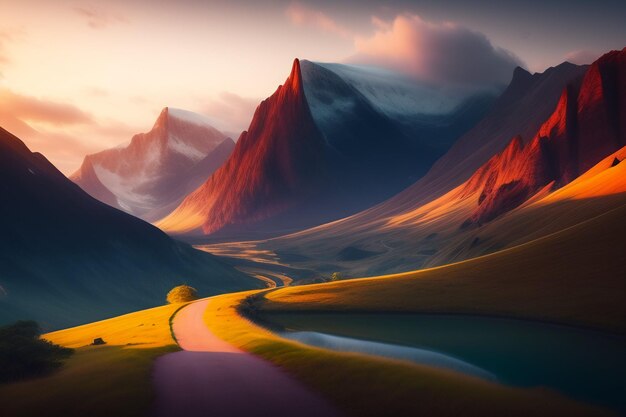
[[294, 81], [277, 163]]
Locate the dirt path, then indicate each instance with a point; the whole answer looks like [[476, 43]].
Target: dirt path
[[213, 378]]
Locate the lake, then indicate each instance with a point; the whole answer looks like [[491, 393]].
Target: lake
[[583, 364]]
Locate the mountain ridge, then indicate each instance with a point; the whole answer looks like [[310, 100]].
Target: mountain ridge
[[413, 230], [154, 171], [362, 156]]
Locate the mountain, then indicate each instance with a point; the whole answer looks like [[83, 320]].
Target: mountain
[[432, 116], [586, 126], [445, 216], [323, 146], [384, 130], [66, 258], [521, 109], [278, 162], [150, 177]]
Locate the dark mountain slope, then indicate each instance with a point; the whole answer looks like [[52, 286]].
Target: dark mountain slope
[[66, 258]]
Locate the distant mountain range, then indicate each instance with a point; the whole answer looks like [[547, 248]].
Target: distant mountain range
[[331, 141], [487, 192], [66, 258], [151, 176]]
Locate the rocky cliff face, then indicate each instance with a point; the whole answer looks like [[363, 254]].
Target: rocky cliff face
[[277, 164], [586, 126]]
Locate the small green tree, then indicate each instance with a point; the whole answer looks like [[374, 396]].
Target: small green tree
[[182, 294]]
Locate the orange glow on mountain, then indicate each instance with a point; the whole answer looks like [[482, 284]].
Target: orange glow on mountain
[[275, 164]]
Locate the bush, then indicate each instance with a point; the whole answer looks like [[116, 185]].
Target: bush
[[336, 276], [182, 294], [23, 354]]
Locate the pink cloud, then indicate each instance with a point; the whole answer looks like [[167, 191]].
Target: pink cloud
[[301, 15], [29, 108], [63, 150], [435, 52], [58, 130]]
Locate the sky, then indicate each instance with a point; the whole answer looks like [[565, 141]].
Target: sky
[[79, 76]]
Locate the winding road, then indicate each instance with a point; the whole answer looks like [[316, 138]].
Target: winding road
[[210, 377]]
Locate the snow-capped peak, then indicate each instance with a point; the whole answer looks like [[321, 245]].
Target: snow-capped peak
[[189, 116]]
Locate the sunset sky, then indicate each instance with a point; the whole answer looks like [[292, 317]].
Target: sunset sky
[[80, 76]]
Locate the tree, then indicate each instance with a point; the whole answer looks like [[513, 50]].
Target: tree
[[23, 354], [182, 294], [336, 276]]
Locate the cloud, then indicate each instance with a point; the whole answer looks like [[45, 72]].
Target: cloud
[[64, 150], [27, 108], [231, 112], [441, 53], [301, 15], [98, 18], [58, 130], [581, 57]]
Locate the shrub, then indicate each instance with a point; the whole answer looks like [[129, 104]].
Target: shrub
[[182, 294], [23, 354], [336, 276]]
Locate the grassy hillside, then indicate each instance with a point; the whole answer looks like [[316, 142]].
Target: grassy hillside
[[106, 380], [575, 276]]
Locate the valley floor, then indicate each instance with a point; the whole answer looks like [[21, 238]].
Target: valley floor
[[232, 366]]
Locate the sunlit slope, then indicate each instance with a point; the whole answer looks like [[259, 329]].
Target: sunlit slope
[[599, 190], [433, 234], [575, 276], [608, 177], [107, 380], [142, 329]]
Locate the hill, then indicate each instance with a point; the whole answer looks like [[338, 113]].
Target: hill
[[66, 258]]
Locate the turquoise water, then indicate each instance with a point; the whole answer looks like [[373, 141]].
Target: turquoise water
[[582, 364]]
